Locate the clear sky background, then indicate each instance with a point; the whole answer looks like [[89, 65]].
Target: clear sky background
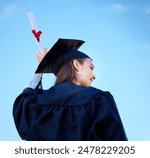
[[117, 35]]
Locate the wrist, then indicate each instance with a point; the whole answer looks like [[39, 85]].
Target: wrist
[[39, 74]]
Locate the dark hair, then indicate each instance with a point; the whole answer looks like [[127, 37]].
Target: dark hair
[[68, 72]]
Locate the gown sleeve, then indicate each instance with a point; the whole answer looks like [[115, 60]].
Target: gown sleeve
[[107, 124], [21, 105]]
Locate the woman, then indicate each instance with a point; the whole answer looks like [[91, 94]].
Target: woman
[[71, 109]]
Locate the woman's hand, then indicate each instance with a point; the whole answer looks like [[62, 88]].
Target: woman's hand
[[41, 55]]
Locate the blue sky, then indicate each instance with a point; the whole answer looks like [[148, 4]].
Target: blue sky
[[117, 35]]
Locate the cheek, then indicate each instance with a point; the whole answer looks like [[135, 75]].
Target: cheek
[[85, 78], [86, 73]]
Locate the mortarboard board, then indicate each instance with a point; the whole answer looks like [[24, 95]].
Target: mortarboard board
[[62, 52]]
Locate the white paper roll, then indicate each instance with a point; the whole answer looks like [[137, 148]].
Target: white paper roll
[[34, 27]]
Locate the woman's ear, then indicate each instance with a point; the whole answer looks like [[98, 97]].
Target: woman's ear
[[76, 64]]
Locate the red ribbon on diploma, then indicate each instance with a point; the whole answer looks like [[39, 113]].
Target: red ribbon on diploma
[[37, 34]]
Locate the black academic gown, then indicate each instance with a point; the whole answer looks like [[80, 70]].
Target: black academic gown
[[67, 112]]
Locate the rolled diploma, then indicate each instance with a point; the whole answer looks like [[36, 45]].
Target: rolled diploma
[[34, 27]]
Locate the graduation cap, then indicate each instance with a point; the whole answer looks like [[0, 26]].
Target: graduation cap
[[62, 52]]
